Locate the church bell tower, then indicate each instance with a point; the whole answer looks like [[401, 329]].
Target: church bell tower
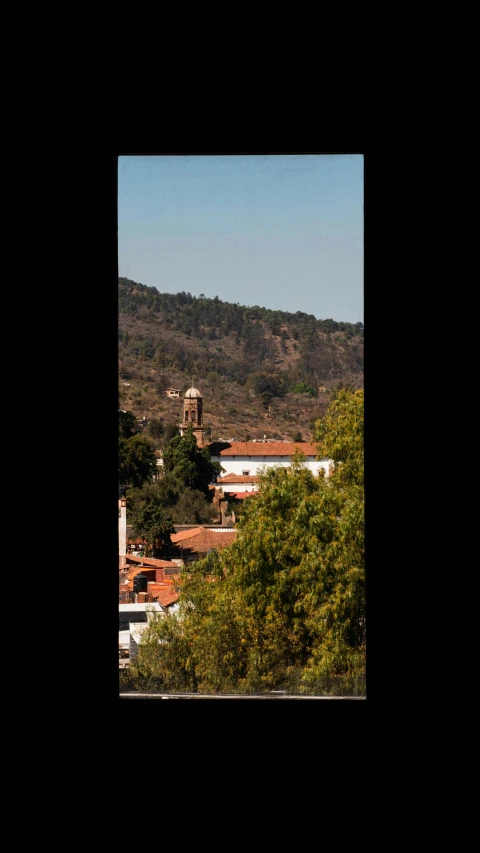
[[193, 414]]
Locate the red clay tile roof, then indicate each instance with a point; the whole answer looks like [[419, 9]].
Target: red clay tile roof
[[238, 478], [262, 448], [203, 540], [185, 534], [165, 594], [152, 562]]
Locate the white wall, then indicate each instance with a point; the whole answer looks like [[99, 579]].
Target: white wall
[[122, 530], [239, 464], [238, 487]]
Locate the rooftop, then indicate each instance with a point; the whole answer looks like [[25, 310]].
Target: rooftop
[[237, 478], [151, 562], [261, 448], [202, 539]]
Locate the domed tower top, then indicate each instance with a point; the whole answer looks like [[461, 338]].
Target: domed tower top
[[193, 413]]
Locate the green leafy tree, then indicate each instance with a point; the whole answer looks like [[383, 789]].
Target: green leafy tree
[[337, 620], [137, 460], [303, 388], [268, 383], [266, 399], [149, 511], [189, 464], [156, 428], [171, 430], [341, 437], [192, 507], [127, 424]]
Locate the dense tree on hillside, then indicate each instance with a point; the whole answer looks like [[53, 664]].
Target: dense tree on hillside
[[268, 383], [156, 428], [304, 388], [284, 606], [171, 430], [172, 335], [256, 346], [127, 424], [210, 311]]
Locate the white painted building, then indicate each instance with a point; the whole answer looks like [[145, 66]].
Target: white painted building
[[122, 527], [249, 458], [237, 483], [133, 621]]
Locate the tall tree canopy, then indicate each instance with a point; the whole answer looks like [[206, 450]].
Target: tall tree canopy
[[149, 510], [127, 424], [284, 606], [191, 465], [136, 460], [154, 508]]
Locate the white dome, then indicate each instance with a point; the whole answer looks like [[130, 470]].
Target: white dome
[[192, 392]]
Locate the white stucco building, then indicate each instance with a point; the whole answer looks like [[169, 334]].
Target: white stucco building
[[134, 619], [122, 527], [237, 483], [247, 458]]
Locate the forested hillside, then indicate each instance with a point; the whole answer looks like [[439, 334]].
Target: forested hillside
[[261, 372]]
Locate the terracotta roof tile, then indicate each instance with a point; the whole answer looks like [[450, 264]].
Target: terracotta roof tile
[[185, 534], [206, 539], [238, 478], [262, 448], [151, 561], [167, 596]]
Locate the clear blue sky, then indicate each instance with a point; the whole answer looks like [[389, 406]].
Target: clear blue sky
[[281, 231]]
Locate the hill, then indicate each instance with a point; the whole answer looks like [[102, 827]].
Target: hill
[[260, 371]]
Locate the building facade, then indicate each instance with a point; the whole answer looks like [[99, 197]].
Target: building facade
[[122, 526], [249, 458]]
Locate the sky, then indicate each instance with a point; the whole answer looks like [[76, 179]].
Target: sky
[[281, 231]]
